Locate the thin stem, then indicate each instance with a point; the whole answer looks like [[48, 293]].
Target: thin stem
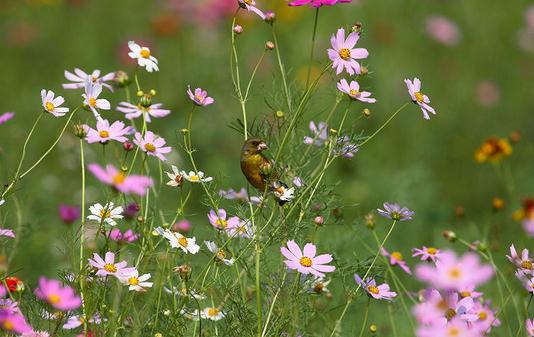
[[82, 279], [364, 324], [385, 124], [282, 70], [312, 46], [272, 305]]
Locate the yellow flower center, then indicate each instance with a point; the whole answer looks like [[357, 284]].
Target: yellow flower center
[[465, 293], [150, 147], [178, 179], [110, 268], [318, 288], [431, 250], [526, 264], [482, 315], [53, 298], [104, 134], [344, 53], [455, 273], [92, 102], [305, 261], [145, 52], [183, 241], [453, 331], [373, 290], [450, 313], [397, 256], [213, 312], [119, 178], [8, 325], [194, 178], [419, 97], [353, 92], [221, 254], [133, 281], [199, 98], [50, 106], [105, 213], [222, 223]]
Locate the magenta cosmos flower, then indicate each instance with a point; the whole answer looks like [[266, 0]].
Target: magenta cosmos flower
[[199, 97], [380, 292], [395, 212], [317, 3], [105, 132], [69, 214], [343, 54], [7, 232], [13, 322], [79, 77], [443, 30], [353, 91], [59, 297], [51, 104], [454, 273], [152, 144], [414, 89], [220, 220], [135, 111], [395, 258], [427, 253], [250, 5], [127, 237], [6, 116], [529, 323], [128, 184], [305, 261], [107, 265], [454, 327]]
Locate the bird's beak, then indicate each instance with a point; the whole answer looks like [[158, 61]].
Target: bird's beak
[[262, 146]]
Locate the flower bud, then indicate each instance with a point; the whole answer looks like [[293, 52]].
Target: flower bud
[[184, 131], [184, 271], [270, 16], [80, 131], [459, 211], [318, 206], [279, 114], [449, 235], [373, 328], [121, 79], [140, 219], [337, 212], [370, 220], [269, 45], [497, 203], [139, 93], [128, 146], [515, 136], [357, 27], [318, 220], [366, 113], [238, 29], [364, 71], [145, 100], [153, 92]]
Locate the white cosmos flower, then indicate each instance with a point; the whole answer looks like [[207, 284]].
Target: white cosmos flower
[[211, 313], [134, 281], [195, 177], [177, 240], [79, 77], [193, 315], [176, 177], [52, 104], [317, 285], [90, 98], [284, 193], [219, 253], [105, 213], [143, 57]]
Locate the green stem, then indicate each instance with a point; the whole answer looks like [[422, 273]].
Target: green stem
[[364, 324], [82, 227], [384, 125], [312, 46]]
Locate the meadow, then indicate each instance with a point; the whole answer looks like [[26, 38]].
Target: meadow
[[266, 168]]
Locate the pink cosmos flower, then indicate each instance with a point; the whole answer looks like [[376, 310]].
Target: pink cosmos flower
[[152, 144], [199, 97], [343, 54], [443, 30], [119, 180], [380, 292], [427, 253], [52, 104], [395, 212], [453, 328], [306, 261], [107, 266], [35, 334], [529, 323], [242, 195], [524, 263], [91, 100], [11, 322], [59, 297], [486, 319], [353, 91], [487, 93], [221, 220], [250, 5], [469, 291], [127, 237], [7, 232], [182, 226], [79, 77], [105, 132], [69, 214], [317, 3], [453, 273], [6, 116], [414, 89], [395, 258], [431, 309], [134, 111], [320, 134]]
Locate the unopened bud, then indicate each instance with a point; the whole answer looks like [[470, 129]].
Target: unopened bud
[[373, 328], [497, 203], [449, 235], [238, 29], [184, 131], [459, 211], [270, 16], [153, 92], [366, 113], [318, 206], [279, 114], [482, 247], [121, 79], [318, 220], [269, 45], [145, 100], [184, 271], [140, 93], [80, 131], [364, 71], [128, 146], [337, 212], [357, 27], [140, 219], [370, 221]]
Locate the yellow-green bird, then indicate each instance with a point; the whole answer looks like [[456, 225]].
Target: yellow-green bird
[[254, 164]]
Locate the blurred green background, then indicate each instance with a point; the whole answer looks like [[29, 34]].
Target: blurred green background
[[480, 84]]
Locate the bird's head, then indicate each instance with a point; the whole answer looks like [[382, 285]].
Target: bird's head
[[254, 146]]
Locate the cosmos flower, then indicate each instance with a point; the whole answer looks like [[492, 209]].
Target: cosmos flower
[[443, 30], [77, 320], [199, 97], [177, 240], [414, 89], [127, 237], [380, 292], [427, 253], [143, 57], [220, 254], [529, 324], [13, 322], [53, 104], [6, 116], [128, 184], [7, 232], [242, 195], [320, 134], [353, 91], [345, 148], [343, 54], [182, 226], [220, 219], [395, 212], [107, 266], [306, 261], [250, 5], [282, 192], [395, 258], [91, 100], [176, 178], [243, 230], [106, 213], [454, 327], [524, 263], [59, 297], [135, 111], [69, 214], [105, 132], [455, 273], [35, 334], [134, 281], [195, 177], [152, 144], [493, 150], [79, 77], [317, 3], [486, 318]]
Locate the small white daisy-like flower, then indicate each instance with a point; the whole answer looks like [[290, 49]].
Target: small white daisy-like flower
[[106, 213], [143, 57], [51, 104], [91, 100], [211, 313], [177, 240], [195, 177], [282, 192], [176, 177], [219, 253], [317, 285], [193, 315], [134, 281]]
